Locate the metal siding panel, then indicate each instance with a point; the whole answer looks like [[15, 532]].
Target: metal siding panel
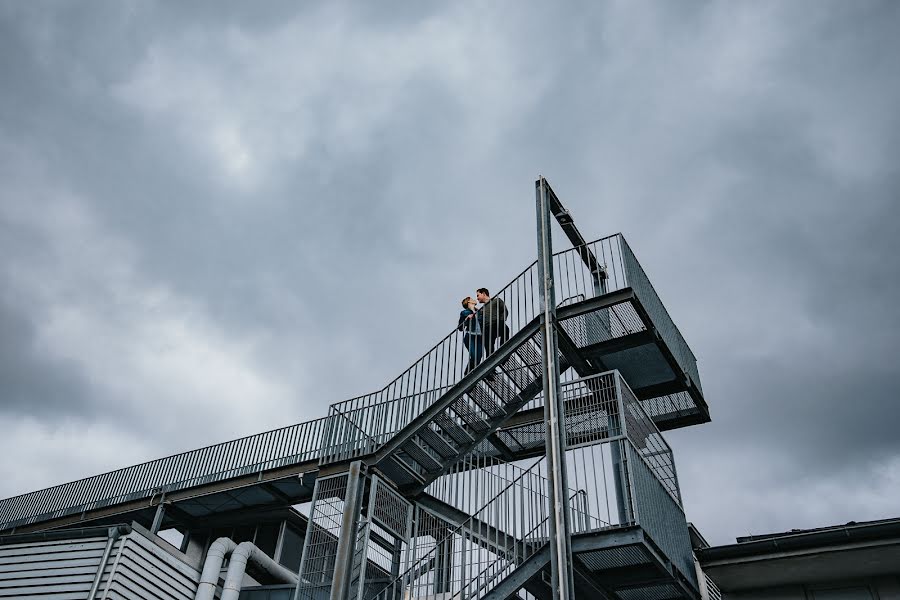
[[64, 570], [155, 574], [52, 570]]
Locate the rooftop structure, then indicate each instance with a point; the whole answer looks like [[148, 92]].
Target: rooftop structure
[[853, 561], [440, 484]]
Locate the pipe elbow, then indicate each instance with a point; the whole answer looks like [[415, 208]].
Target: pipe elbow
[[215, 556]]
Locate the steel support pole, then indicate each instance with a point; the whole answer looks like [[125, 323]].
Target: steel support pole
[[554, 410], [343, 561]]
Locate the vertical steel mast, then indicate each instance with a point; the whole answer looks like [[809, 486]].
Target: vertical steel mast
[[554, 410]]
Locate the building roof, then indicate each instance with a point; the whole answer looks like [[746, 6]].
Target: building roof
[[803, 556]]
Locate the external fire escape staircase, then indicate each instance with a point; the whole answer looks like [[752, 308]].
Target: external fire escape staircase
[[385, 472]]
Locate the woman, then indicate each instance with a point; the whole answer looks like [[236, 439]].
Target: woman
[[471, 329]]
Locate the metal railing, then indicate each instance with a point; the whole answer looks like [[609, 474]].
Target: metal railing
[[476, 479], [616, 459], [372, 419], [362, 424], [251, 454], [378, 415], [464, 560]]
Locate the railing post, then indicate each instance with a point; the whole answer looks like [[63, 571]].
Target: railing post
[[554, 410]]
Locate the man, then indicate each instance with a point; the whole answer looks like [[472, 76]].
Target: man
[[492, 315]]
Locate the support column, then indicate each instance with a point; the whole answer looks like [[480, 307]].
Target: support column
[[343, 561], [554, 410], [159, 515]]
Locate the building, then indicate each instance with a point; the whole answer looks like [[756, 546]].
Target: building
[[855, 561], [437, 485]]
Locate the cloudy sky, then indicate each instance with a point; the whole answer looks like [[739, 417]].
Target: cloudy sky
[[218, 218]]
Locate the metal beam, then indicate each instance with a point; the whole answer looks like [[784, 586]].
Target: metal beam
[[554, 406], [567, 223], [158, 516], [481, 532], [278, 494], [572, 353], [505, 451], [593, 304]]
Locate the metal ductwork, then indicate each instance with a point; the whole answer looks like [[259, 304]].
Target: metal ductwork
[[240, 555]]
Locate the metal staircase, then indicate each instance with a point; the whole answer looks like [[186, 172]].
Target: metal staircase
[[624, 327], [463, 418], [436, 486], [481, 529], [469, 556]]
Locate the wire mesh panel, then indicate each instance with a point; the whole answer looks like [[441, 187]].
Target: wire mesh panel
[[648, 441], [640, 283], [660, 516], [390, 510], [385, 549], [323, 531]]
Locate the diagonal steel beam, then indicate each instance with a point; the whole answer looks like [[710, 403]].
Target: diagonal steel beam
[[567, 223]]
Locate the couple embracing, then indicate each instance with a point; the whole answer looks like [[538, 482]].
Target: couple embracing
[[482, 326]]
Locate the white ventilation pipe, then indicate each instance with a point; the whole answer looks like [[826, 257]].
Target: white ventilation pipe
[[215, 556], [240, 555], [237, 564]]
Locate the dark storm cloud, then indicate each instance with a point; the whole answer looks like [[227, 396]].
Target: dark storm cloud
[[270, 209]]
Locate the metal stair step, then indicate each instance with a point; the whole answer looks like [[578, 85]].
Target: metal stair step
[[482, 396], [437, 442], [519, 374], [530, 354], [399, 470], [469, 414], [449, 426], [503, 390], [421, 456]]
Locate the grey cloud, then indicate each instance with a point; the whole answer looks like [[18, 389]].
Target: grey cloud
[[744, 150], [34, 385]]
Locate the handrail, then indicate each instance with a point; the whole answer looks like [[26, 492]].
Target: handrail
[[260, 450], [461, 528]]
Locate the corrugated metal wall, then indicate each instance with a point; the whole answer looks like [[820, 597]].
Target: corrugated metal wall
[[57, 570], [138, 568]]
